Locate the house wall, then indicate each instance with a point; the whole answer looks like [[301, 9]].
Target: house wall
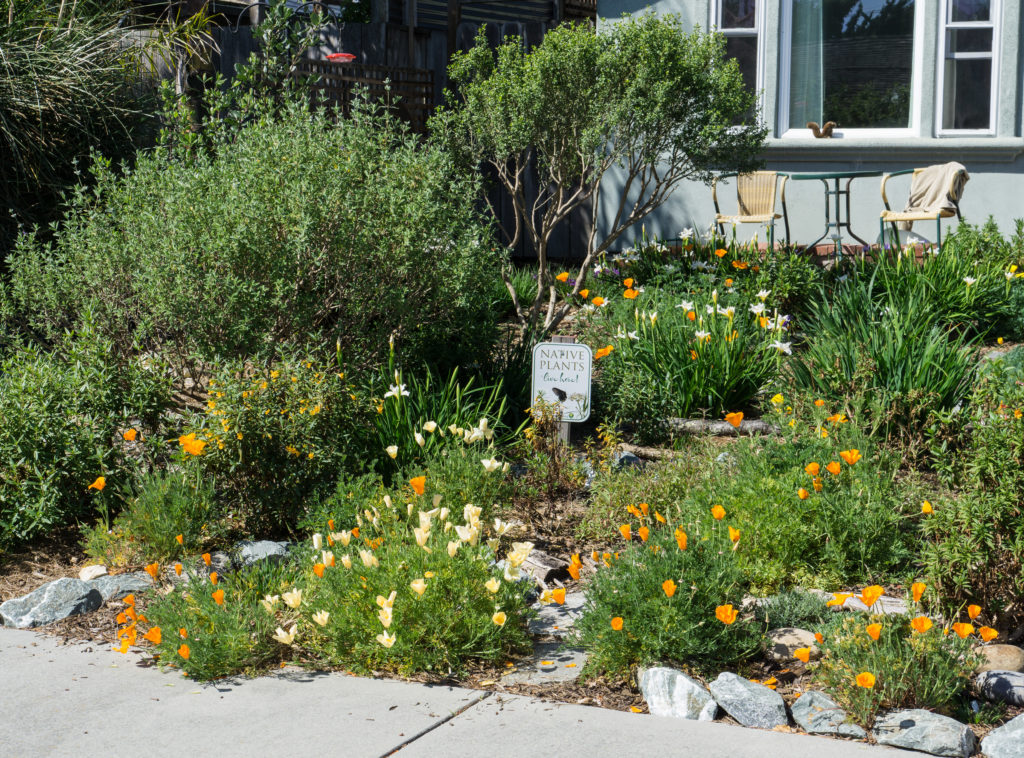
[[995, 163]]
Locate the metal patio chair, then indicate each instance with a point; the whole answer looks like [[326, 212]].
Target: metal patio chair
[[951, 190], [756, 195]]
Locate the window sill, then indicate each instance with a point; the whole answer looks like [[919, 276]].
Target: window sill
[[864, 150]]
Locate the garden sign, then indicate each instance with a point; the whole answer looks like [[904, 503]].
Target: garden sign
[[561, 374]]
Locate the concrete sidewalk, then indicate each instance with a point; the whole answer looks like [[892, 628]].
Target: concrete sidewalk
[[86, 700]]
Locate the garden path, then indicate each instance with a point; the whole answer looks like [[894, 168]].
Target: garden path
[[86, 700]]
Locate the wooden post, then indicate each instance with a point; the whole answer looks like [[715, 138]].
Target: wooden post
[[563, 427], [412, 33], [454, 16]]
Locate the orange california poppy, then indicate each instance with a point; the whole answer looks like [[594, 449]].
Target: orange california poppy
[[177, 569], [869, 595], [926, 507], [833, 468], [643, 532], [630, 294], [207, 558], [99, 484], [153, 569], [626, 531], [128, 600], [153, 635], [659, 518], [603, 352], [213, 577], [802, 654], [584, 294], [734, 534], [598, 301], [838, 598], [850, 456], [184, 652], [866, 679], [718, 512], [691, 315], [130, 435], [191, 445], [563, 277], [735, 418], [633, 510], [355, 532], [873, 630], [987, 633], [218, 597], [973, 611], [740, 265], [180, 539], [816, 483], [617, 623], [726, 613], [628, 283], [418, 484], [558, 595], [330, 524], [721, 252], [669, 587], [183, 633], [921, 624], [819, 402], [812, 469], [645, 509], [574, 571], [963, 631], [917, 590], [318, 569], [803, 494], [680, 536], [819, 637]]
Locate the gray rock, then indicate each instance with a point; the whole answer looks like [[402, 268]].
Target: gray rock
[[247, 553], [725, 459], [1002, 686], [220, 562], [817, 713], [1007, 741], [750, 704], [91, 572], [621, 460], [1001, 658], [550, 663], [543, 567], [672, 693], [52, 602], [782, 643], [890, 606], [117, 586], [926, 732], [554, 620], [588, 472]]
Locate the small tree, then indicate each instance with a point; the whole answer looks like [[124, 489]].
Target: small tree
[[655, 103]]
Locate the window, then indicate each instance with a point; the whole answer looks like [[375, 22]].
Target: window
[[850, 62], [967, 74], [737, 20]]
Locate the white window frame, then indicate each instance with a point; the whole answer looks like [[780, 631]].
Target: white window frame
[[757, 32], [946, 24], [785, 69]]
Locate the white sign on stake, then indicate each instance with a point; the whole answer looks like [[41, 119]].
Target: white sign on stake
[[561, 374]]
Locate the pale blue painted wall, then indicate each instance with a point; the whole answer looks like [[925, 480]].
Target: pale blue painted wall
[[996, 164]]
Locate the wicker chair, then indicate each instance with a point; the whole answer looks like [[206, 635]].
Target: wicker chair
[[756, 195], [954, 193]]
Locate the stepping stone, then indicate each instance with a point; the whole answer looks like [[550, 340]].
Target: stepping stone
[[549, 663], [927, 732], [554, 620], [672, 693], [817, 713], [53, 601]]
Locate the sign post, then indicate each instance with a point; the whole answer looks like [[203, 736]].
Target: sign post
[[561, 374]]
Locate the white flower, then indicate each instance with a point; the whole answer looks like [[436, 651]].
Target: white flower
[[728, 312], [430, 426], [511, 572], [327, 557], [686, 305], [385, 615], [468, 534], [700, 266], [269, 602], [757, 309], [453, 547], [419, 586], [346, 561], [419, 439], [318, 541], [369, 559], [686, 233], [425, 519], [292, 599], [343, 537], [782, 347], [285, 638], [453, 429], [969, 280], [709, 309], [763, 294], [392, 450], [471, 513], [1009, 275], [493, 544], [397, 391], [436, 501], [321, 617], [422, 535], [501, 527], [387, 640], [493, 584], [490, 465], [653, 317], [389, 601], [702, 335]]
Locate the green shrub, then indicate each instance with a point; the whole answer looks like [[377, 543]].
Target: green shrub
[[911, 670], [64, 416], [166, 505], [374, 600], [302, 231], [275, 435], [656, 628], [793, 608]]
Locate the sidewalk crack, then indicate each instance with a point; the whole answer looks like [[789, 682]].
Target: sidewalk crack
[[442, 722]]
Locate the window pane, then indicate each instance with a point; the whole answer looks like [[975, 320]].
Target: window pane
[[738, 14], [851, 63], [968, 94], [744, 50], [969, 10], [970, 41]]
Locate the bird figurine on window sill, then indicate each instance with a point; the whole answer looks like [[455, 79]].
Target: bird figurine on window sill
[[822, 132]]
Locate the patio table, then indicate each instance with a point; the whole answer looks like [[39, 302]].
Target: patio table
[[835, 193]]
